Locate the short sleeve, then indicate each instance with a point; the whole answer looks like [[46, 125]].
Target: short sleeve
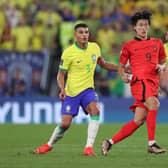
[[162, 54], [65, 61], [98, 51], [124, 56]]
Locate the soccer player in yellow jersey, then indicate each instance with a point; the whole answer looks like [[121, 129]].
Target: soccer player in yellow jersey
[[79, 62], [164, 75]]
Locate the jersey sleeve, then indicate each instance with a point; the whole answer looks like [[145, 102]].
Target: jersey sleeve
[[124, 56], [162, 54], [65, 61], [98, 51]]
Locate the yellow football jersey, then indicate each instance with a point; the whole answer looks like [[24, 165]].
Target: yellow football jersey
[[166, 50], [80, 65]]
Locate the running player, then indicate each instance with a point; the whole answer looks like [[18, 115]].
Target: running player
[[147, 58], [79, 62]]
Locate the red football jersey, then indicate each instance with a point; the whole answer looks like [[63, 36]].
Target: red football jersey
[[143, 56]]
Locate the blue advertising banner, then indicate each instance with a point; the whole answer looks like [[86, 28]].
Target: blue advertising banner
[[48, 110], [25, 69]]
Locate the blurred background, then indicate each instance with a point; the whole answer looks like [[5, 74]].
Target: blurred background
[[33, 34]]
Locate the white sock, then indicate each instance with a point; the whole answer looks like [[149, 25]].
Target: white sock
[[92, 130], [111, 141], [57, 134], [150, 143]]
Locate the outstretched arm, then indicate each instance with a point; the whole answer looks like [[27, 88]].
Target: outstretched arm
[[61, 84], [112, 67], [106, 65]]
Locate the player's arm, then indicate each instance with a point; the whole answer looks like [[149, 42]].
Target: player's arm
[[162, 59], [111, 67], [106, 65], [123, 75], [61, 83]]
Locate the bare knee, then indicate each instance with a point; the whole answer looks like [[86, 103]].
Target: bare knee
[[93, 108], [152, 103], [139, 122], [65, 125], [66, 121], [140, 116]]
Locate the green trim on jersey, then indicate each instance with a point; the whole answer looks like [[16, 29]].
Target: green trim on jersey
[[62, 68], [80, 47]]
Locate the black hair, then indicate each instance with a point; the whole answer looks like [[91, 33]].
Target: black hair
[[79, 25], [141, 15]]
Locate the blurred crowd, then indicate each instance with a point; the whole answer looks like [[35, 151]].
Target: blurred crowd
[[39, 25]]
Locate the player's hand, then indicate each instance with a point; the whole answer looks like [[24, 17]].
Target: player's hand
[[128, 69], [160, 67], [62, 94], [126, 78]]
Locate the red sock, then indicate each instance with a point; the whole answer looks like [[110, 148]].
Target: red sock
[[125, 131], [151, 124]]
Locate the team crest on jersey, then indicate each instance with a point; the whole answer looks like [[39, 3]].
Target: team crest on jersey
[[68, 108], [94, 58]]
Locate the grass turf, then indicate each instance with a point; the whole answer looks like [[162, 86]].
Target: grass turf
[[17, 143]]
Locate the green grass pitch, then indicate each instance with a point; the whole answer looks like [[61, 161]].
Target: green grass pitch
[[18, 141]]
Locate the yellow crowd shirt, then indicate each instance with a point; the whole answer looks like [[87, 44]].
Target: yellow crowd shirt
[[80, 65]]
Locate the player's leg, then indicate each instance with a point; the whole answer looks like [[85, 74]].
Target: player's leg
[[127, 129], [70, 107], [90, 105], [93, 127], [59, 131], [152, 103], [57, 134]]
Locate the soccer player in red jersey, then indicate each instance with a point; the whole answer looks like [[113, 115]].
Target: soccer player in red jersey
[[147, 58]]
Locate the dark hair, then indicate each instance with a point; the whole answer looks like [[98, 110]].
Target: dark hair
[[79, 25], [141, 15]]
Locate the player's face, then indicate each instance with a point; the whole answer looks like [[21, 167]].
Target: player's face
[[82, 34], [141, 28]]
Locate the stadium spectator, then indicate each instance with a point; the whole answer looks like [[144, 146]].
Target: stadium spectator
[[22, 36], [105, 37], [48, 14], [6, 37], [106, 17], [2, 19], [147, 58], [3, 86], [67, 14], [79, 60], [37, 39], [17, 84], [13, 14]]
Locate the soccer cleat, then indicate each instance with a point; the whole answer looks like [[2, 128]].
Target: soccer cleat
[[155, 148], [106, 146], [88, 151], [43, 149]]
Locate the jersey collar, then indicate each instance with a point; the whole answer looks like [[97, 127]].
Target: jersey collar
[[80, 47], [138, 39]]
